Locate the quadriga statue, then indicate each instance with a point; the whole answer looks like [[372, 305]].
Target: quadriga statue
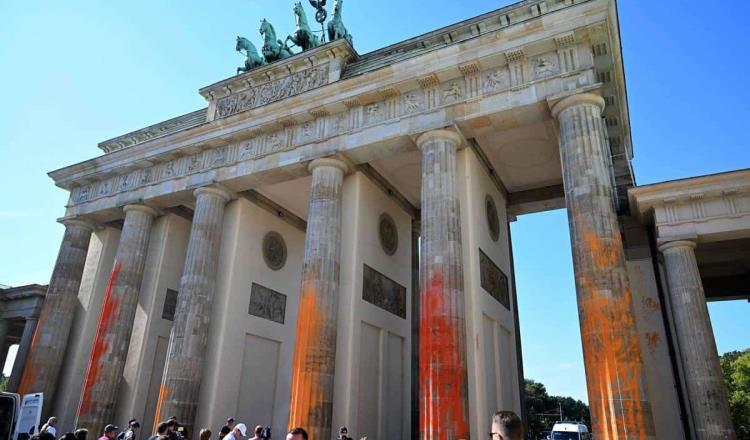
[[303, 36], [273, 48], [336, 28], [252, 58]]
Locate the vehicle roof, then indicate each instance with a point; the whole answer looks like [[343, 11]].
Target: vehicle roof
[[569, 427]]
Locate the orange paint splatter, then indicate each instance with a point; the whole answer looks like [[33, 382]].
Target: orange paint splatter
[[612, 352], [164, 392], [652, 340], [650, 304], [442, 366], [28, 379], [307, 391], [101, 347]]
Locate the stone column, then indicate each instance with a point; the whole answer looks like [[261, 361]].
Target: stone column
[[443, 380], [110, 346], [611, 350], [51, 338], [314, 358], [180, 386], [703, 377], [23, 353]]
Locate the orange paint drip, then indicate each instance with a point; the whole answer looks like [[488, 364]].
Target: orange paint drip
[[101, 347], [28, 379], [164, 393], [307, 393], [442, 366], [612, 351]]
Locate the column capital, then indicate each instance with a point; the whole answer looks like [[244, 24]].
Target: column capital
[[578, 99], [676, 244], [439, 134], [328, 162], [214, 191], [77, 221], [141, 208]]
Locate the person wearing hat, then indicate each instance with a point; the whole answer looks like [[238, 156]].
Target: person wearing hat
[[343, 434], [110, 432], [238, 433]]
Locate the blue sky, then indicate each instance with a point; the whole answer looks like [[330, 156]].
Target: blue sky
[[77, 73]]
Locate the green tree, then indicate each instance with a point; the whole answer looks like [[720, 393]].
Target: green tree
[[543, 410], [3, 382], [736, 368]]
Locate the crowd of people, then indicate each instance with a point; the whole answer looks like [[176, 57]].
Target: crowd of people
[[506, 425]]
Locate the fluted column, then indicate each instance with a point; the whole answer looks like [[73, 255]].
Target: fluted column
[[315, 346], [443, 380], [703, 377], [110, 346], [50, 341], [23, 352], [180, 386], [611, 349]]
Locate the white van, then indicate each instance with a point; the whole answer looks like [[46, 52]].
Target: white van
[[10, 407], [19, 417], [570, 431]]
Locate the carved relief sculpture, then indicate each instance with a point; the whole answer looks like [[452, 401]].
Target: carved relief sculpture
[[493, 280], [273, 91], [383, 292], [274, 250], [267, 304], [388, 234]]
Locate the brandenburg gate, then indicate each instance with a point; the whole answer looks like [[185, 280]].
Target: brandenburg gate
[[327, 242]]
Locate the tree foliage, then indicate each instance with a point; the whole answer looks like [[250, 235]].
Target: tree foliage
[[736, 368], [543, 410]]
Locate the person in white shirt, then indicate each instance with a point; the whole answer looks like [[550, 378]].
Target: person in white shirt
[[238, 433], [50, 427]]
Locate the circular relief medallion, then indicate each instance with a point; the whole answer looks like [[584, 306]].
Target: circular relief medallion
[[388, 234], [274, 250], [493, 223]]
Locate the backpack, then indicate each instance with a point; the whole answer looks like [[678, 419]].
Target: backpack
[[121, 436]]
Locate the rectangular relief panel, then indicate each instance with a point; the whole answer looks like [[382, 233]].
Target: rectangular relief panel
[[383, 292], [260, 366], [267, 304], [493, 280]]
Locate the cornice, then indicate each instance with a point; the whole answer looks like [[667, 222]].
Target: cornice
[[330, 101], [645, 198]]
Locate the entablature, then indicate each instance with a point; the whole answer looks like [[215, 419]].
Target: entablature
[[489, 72], [705, 208]]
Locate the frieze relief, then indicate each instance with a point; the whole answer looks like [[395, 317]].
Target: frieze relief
[[355, 116], [546, 65], [267, 303], [164, 128], [273, 91], [383, 292], [493, 280]]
